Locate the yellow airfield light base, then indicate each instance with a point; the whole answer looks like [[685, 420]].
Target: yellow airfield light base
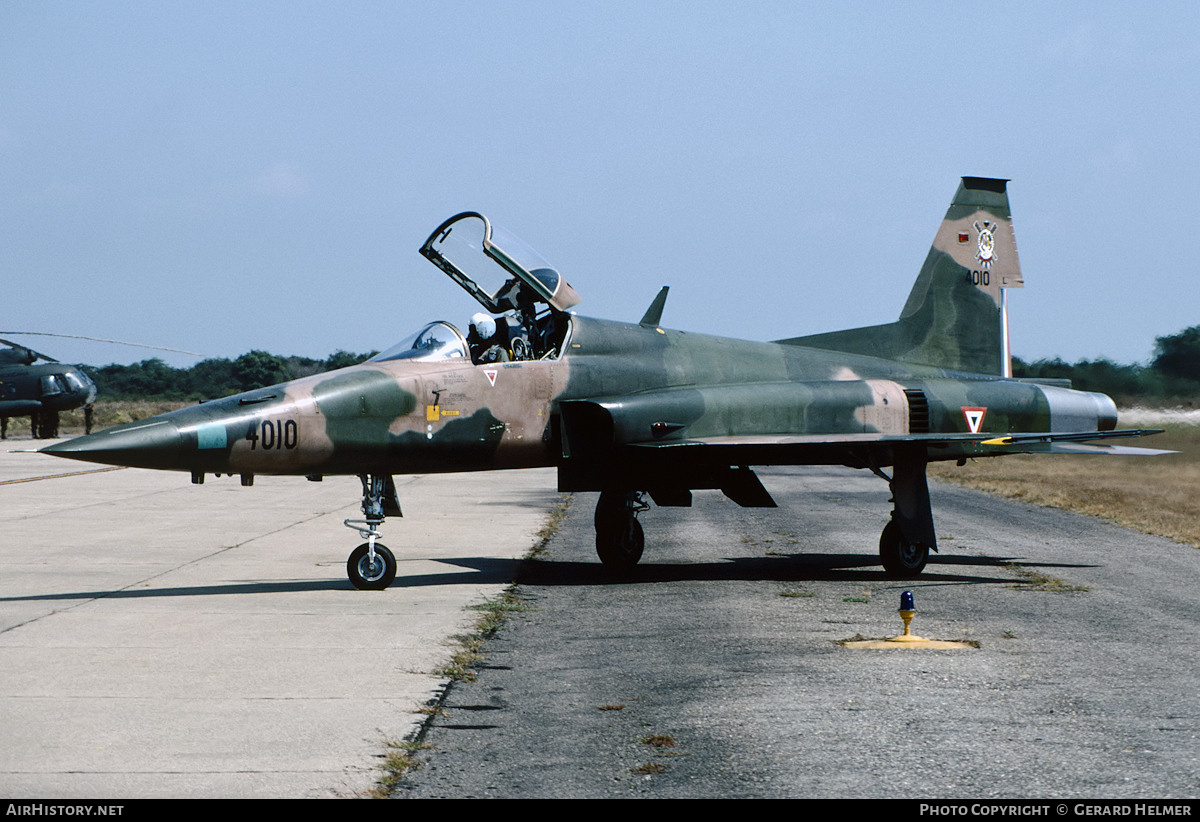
[[908, 639]]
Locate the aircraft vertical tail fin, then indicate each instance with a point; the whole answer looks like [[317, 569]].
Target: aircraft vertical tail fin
[[955, 317]]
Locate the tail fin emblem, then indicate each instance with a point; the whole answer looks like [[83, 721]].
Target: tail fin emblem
[[987, 243]]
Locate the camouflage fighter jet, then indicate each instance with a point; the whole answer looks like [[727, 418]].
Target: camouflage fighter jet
[[638, 412]]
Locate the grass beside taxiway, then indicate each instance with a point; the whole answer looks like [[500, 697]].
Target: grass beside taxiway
[[1156, 495]]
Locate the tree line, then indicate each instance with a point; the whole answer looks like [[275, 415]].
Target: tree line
[[1173, 373], [212, 378]]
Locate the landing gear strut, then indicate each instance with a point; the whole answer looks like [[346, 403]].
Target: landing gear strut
[[371, 566], [908, 537], [619, 537]]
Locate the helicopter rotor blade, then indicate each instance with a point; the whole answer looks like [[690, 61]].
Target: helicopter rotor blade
[[33, 355], [93, 339]]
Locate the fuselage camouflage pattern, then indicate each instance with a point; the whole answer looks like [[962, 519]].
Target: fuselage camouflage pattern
[[631, 407]]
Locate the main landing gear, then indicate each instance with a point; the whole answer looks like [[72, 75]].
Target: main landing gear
[[900, 557], [907, 539], [619, 537], [904, 545], [371, 566]]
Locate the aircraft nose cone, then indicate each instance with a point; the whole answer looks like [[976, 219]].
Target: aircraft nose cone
[[152, 444]]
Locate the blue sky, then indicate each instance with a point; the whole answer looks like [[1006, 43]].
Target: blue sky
[[223, 176]]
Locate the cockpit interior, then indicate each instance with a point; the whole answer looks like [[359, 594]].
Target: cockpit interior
[[525, 298]]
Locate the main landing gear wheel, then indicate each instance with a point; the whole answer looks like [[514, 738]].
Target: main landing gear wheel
[[371, 573], [619, 537], [901, 559]]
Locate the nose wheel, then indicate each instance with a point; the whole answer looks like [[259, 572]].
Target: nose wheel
[[371, 566]]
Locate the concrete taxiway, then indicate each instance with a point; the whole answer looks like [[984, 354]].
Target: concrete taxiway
[[164, 639], [717, 669]]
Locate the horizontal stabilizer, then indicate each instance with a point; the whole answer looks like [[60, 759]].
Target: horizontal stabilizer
[[1081, 448]]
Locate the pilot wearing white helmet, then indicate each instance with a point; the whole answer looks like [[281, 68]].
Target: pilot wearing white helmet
[[484, 325], [487, 342]]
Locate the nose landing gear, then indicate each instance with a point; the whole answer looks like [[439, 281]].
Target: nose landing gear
[[371, 566]]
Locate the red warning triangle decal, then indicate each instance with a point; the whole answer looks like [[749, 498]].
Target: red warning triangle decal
[[974, 418], [491, 375]]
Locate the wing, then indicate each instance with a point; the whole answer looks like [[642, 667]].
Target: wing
[[695, 436], [942, 446]]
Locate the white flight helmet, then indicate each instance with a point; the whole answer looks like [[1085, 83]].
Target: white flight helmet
[[485, 326]]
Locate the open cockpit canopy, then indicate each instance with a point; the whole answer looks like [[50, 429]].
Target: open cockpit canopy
[[495, 267]]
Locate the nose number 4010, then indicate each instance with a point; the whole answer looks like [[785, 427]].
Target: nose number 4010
[[273, 434]]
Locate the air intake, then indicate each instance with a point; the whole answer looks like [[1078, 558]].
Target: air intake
[[918, 411]]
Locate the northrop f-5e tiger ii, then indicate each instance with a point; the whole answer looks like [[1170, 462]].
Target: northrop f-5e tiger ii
[[642, 413]]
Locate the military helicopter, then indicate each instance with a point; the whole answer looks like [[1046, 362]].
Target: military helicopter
[[40, 387]]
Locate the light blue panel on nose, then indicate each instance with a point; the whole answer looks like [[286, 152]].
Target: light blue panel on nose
[[211, 436]]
